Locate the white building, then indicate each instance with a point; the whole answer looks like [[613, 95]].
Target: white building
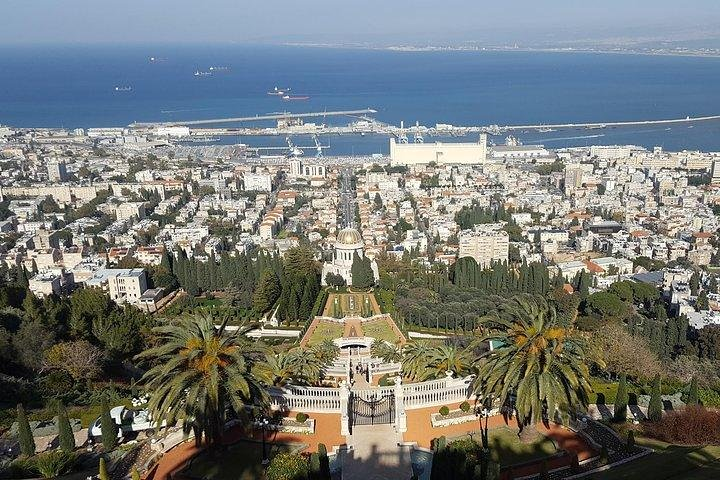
[[438, 152], [486, 243], [258, 182], [124, 285], [57, 171]]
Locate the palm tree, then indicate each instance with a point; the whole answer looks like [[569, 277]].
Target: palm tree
[[385, 351], [416, 361], [450, 358], [539, 367], [278, 369], [199, 371], [326, 351]]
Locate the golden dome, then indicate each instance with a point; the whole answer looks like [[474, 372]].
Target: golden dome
[[349, 236]]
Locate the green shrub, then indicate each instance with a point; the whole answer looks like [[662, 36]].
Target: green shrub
[[444, 411], [54, 463], [108, 429], [288, 466], [66, 437], [709, 397], [301, 417], [465, 407], [314, 466], [102, 470], [20, 468], [25, 436]]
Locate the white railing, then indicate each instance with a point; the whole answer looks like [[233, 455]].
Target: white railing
[[440, 392], [306, 399], [437, 392]]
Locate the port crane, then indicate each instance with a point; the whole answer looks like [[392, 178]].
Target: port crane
[[294, 151]]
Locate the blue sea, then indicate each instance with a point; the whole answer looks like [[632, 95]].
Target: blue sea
[[64, 86]]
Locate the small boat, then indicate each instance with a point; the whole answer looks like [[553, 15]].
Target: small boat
[[278, 91], [219, 69], [289, 98], [199, 73], [123, 88]]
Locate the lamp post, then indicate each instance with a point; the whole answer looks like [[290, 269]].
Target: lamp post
[[264, 422]]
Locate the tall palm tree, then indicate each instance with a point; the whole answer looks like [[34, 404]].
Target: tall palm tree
[[450, 358], [539, 367], [199, 371]]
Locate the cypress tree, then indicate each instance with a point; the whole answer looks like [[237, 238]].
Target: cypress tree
[[102, 470], [621, 400], [66, 438], [693, 393], [109, 429], [25, 436], [324, 462], [655, 408]]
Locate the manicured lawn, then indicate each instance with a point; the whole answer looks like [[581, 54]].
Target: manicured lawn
[[380, 329], [509, 450], [349, 304], [669, 462], [325, 331], [240, 461]]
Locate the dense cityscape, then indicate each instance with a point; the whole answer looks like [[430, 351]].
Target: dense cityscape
[[332, 241]]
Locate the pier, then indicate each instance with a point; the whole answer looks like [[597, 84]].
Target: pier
[[291, 124]]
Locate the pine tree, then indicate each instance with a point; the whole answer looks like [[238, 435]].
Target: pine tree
[[108, 428], [655, 408], [66, 437], [25, 436], [267, 292], [693, 398], [621, 400]]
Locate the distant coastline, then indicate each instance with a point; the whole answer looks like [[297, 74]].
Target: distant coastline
[[649, 51]]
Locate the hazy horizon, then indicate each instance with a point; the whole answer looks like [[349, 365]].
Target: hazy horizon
[[375, 22]]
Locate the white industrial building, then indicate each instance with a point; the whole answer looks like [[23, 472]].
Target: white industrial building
[[438, 153]]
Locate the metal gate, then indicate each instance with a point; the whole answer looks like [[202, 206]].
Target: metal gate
[[375, 410]]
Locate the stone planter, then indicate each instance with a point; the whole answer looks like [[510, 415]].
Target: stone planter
[[455, 417], [290, 425]]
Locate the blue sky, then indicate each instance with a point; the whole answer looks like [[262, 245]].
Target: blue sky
[[374, 21]]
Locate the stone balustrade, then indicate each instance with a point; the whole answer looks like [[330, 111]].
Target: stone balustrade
[[439, 392], [306, 399]]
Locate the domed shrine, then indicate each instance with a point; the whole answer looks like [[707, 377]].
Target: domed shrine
[[348, 243]]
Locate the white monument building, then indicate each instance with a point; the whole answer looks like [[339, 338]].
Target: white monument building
[[349, 242]]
